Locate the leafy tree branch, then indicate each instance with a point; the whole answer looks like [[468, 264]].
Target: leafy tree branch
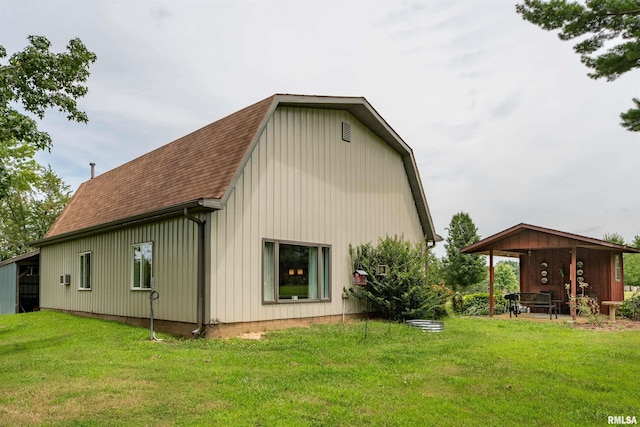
[[27, 213], [33, 81], [613, 25]]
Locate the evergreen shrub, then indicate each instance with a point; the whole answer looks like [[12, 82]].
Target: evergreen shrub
[[630, 308], [478, 304], [405, 292]]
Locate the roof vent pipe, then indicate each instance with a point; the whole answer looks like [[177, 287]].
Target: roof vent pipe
[[93, 170]]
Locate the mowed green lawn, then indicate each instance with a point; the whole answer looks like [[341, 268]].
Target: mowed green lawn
[[57, 369]]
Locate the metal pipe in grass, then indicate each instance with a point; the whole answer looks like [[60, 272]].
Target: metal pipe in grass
[[153, 296], [427, 325]]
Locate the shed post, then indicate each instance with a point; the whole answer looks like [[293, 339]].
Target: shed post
[[17, 307], [491, 303], [573, 277]]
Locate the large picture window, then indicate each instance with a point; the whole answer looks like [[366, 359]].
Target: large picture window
[[85, 271], [142, 265], [295, 272]]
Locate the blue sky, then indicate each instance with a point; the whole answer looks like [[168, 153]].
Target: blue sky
[[504, 123]]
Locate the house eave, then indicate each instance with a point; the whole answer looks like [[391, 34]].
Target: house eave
[[195, 206]]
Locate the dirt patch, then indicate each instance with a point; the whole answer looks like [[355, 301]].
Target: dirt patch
[[252, 336], [580, 322], [620, 325]]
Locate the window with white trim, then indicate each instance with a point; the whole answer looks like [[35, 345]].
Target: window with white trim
[[295, 272], [618, 268], [85, 271], [142, 265]]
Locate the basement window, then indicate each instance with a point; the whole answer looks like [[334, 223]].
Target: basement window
[[295, 272], [142, 266], [85, 271]]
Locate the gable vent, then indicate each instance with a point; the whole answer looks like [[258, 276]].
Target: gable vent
[[346, 132]]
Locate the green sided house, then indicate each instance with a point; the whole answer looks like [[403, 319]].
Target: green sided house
[[242, 225]]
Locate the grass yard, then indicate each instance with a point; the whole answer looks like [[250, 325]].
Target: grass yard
[[58, 369]]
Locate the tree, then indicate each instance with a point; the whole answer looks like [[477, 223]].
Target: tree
[[31, 82], [505, 280], [26, 213], [631, 269], [632, 265], [515, 267], [614, 238], [614, 24], [631, 261], [462, 270]]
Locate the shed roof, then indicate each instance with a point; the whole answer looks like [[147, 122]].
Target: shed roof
[[524, 237], [21, 257], [206, 164]]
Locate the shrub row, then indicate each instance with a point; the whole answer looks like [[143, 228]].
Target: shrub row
[[478, 304]]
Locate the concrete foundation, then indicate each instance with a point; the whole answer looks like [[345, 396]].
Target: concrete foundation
[[220, 330]]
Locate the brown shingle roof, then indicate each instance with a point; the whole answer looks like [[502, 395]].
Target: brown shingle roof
[[197, 166], [198, 169]]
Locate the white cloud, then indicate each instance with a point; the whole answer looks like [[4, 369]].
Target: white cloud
[[503, 120]]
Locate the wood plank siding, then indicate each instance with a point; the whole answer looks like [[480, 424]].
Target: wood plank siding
[[596, 272], [303, 183], [174, 270]]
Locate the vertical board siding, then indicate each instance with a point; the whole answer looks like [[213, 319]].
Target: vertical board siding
[[174, 272], [303, 183], [597, 272], [8, 283]]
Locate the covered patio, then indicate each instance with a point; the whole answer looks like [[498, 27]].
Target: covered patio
[[549, 259]]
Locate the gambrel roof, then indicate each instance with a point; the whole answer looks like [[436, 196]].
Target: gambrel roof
[[199, 169]]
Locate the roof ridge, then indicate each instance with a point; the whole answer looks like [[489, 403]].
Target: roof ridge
[[149, 153]]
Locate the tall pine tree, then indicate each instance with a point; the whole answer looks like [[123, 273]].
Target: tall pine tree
[[462, 270]]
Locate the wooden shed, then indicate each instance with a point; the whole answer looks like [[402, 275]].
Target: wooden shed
[[550, 259], [20, 283]]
